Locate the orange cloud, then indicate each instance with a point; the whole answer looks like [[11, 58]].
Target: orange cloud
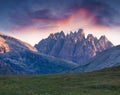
[[81, 18]]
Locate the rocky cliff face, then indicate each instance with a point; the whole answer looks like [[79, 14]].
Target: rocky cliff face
[[74, 46], [3, 46]]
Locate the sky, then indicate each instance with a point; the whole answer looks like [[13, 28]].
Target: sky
[[33, 20]]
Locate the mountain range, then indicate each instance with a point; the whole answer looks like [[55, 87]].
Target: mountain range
[[18, 57], [74, 46]]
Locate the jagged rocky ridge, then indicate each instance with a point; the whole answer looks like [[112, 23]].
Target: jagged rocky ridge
[[74, 46], [17, 57]]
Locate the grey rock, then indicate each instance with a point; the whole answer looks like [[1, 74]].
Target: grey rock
[[74, 46]]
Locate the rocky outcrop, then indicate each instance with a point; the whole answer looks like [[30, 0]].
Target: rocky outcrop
[[74, 46], [3, 46]]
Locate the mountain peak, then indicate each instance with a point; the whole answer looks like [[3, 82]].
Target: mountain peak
[[56, 36], [104, 42], [8, 44], [90, 37], [81, 31], [103, 38], [80, 34], [74, 46]]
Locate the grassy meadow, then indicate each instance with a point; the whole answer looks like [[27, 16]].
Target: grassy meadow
[[103, 82]]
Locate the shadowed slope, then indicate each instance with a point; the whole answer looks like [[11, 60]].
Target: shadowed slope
[[18, 57], [107, 58]]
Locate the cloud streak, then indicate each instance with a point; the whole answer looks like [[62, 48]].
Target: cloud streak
[[35, 14], [103, 13]]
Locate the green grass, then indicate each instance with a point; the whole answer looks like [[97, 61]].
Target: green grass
[[104, 82]]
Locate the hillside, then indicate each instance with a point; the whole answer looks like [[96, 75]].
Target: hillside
[[104, 82], [74, 47], [17, 57], [105, 59]]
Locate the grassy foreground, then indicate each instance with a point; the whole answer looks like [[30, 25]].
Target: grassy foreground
[[104, 82]]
